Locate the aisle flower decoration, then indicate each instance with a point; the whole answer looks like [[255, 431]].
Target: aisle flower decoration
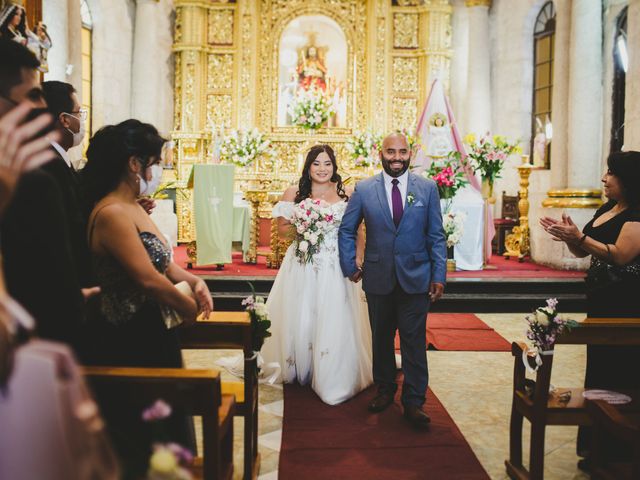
[[242, 147], [449, 176], [312, 219], [310, 109], [412, 140], [260, 323], [365, 148], [487, 154], [544, 326], [168, 461], [453, 225]]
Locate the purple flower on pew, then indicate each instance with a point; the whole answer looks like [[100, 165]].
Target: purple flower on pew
[[158, 411], [545, 324]]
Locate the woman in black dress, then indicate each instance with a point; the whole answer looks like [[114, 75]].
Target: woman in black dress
[[133, 266], [612, 238]]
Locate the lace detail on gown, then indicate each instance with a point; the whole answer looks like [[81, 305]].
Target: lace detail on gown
[[320, 326]]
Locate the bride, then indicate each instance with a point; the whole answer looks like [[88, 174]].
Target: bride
[[320, 326]]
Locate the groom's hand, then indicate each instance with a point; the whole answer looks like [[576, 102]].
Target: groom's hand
[[435, 291], [355, 278]]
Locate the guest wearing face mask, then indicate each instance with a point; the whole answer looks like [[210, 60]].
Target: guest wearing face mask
[[133, 266], [70, 118], [131, 260]]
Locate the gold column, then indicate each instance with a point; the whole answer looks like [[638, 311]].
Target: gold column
[[517, 243], [255, 198]]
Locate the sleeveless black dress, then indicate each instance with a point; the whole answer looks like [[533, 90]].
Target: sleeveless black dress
[[612, 291], [127, 329]]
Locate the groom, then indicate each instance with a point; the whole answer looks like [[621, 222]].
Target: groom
[[404, 270]]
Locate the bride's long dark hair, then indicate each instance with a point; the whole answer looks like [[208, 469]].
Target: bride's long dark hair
[[304, 184]]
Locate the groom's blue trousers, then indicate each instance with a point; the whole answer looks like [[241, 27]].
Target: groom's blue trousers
[[407, 313]]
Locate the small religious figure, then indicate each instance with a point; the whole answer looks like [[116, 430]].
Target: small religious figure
[[39, 43], [311, 69], [13, 23], [439, 139]]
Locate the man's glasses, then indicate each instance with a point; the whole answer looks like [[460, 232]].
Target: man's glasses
[[82, 114]]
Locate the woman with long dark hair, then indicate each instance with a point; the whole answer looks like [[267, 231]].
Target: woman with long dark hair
[[132, 264], [320, 326], [13, 23], [612, 238]]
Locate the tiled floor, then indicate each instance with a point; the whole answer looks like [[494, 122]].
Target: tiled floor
[[475, 387]]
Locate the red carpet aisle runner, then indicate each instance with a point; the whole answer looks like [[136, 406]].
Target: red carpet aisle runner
[[347, 442], [461, 332]]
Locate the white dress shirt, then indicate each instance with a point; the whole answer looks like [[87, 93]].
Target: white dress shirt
[[63, 153], [403, 181]]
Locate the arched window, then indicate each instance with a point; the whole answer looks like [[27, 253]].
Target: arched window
[[544, 34], [87, 27], [620, 64]]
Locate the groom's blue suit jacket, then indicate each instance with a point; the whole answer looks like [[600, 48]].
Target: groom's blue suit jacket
[[413, 254]]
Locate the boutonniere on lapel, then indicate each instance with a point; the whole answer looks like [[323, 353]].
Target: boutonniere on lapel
[[411, 198]]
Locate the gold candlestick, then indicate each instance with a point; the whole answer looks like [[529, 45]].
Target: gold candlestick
[[517, 242]]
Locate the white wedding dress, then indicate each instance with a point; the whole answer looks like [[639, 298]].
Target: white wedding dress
[[320, 325]]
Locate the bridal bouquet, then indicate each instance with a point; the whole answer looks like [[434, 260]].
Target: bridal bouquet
[[311, 219], [453, 225], [545, 324], [364, 148], [310, 109], [488, 154], [242, 147]]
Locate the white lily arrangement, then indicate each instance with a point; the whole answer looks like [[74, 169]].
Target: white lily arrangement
[[242, 147]]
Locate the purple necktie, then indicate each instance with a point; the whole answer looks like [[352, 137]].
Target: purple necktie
[[396, 202]]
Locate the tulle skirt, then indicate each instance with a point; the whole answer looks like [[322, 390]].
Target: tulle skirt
[[320, 328]]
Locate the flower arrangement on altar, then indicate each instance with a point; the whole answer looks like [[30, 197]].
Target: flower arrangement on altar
[[260, 323], [449, 176], [242, 147], [310, 109], [169, 461], [412, 139], [312, 219], [488, 154], [453, 225], [365, 148], [545, 324]]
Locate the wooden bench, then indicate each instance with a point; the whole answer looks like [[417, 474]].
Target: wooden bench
[[232, 330], [542, 408], [608, 418], [197, 392]]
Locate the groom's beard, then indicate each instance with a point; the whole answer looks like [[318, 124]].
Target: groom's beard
[[393, 173]]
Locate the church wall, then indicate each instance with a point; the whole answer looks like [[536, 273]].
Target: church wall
[[459, 62], [511, 91], [112, 59], [632, 107]]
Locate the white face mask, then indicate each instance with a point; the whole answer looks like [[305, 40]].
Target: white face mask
[[150, 187], [79, 135]]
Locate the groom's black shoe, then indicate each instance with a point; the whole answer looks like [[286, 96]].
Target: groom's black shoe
[[381, 401], [416, 417]]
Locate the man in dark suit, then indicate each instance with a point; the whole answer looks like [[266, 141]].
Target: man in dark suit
[[404, 270], [39, 268], [62, 102]]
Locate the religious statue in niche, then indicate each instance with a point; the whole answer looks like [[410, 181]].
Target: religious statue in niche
[[439, 144], [311, 69], [13, 25], [313, 63]]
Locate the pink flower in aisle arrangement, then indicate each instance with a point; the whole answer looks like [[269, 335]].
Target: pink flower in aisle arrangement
[[545, 324], [312, 219], [449, 177]]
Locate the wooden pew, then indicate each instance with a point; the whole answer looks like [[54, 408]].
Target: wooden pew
[[609, 418], [197, 392], [541, 408], [232, 330]]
